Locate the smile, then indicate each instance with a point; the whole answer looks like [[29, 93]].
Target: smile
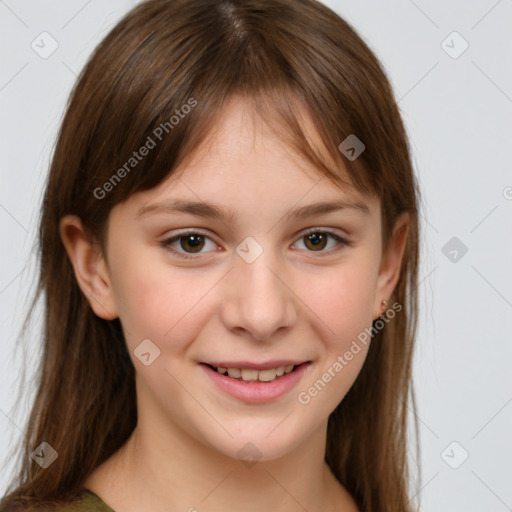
[[256, 383], [250, 374]]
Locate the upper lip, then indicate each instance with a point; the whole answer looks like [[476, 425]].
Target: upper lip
[[267, 365]]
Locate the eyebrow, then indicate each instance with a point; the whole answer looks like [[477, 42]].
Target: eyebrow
[[203, 209]]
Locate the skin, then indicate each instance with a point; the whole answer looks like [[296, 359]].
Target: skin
[[294, 301]]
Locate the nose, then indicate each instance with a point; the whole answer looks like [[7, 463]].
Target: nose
[[258, 300]]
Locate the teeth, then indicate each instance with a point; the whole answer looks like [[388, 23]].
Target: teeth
[[267, 375], [249, 374]]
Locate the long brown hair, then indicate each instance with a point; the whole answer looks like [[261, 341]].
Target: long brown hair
[[163, 55]]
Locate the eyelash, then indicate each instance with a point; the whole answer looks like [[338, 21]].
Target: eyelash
[[167, 244]]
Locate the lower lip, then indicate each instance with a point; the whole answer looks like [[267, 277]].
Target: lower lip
[[256, 391]]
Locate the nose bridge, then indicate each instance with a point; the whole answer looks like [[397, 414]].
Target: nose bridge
[[257, 299]]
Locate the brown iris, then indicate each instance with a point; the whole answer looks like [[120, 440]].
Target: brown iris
[[192, 243], [318, 240]]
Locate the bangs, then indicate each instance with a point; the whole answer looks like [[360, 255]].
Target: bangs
[[184, 127], [282, 113]]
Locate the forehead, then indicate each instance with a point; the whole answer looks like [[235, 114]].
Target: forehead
[[245, 145], [244, 127], [243, 163]]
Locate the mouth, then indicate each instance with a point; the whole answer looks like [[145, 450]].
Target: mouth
[[248, 372], [256, 383]]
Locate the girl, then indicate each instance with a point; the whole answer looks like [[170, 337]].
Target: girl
[[229, 254]]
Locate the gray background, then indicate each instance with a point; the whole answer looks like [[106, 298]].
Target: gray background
[[458, 112]]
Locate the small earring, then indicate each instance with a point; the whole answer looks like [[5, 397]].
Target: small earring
[[384, 304]]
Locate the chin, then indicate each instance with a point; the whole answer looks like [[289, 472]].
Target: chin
[[255, 441]]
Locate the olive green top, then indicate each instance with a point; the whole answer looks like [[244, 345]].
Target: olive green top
[[87, 501]]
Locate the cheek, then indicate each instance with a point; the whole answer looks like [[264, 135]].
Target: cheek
[[342, 300], [160, 303], [341, 305]]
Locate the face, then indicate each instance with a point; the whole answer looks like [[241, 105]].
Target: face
[[260, 282]]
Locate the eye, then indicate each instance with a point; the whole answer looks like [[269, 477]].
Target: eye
[[316, 241], [191, 243], [186, 244]]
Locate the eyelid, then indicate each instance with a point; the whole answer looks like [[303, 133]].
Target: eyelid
[[328, 231]]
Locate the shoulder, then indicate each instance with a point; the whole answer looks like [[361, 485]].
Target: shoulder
[[86, 501]]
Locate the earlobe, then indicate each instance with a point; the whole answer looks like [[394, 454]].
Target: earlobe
[[391, 263], [89, 267]]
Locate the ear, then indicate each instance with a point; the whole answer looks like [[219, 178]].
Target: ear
[[89, 266], [391, 262]]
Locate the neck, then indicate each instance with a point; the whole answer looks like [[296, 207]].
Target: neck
[[162, 468]]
